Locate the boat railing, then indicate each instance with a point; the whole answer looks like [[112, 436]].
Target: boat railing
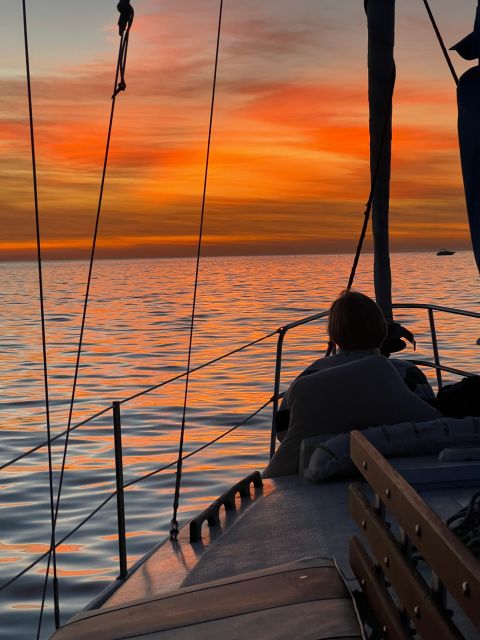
[[436, 364], [115, 409]]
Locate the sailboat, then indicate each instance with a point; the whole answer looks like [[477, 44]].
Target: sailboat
[[279, 557]]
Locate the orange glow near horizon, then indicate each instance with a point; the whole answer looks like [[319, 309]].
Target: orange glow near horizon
[[289, 162]]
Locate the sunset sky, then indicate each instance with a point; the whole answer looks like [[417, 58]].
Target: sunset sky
[[289, 160]]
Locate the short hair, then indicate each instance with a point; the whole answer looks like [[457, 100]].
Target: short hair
[[355, 321]]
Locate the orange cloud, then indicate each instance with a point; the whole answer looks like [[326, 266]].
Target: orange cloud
[[289, 154]]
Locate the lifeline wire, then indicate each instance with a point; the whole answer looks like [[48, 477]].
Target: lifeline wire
[[129, 484], [145, 391], [178, 479], [124, 28], [441, 42], [42, 313]]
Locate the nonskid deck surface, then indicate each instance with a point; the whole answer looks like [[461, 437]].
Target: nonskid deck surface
[[297, 519], [289, 527], [300, 519], [290, 519]]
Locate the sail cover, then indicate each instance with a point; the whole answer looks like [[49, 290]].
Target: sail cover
[[468, 96]]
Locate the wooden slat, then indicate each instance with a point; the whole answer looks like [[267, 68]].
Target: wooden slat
[[456, 567], [382, 606], [427, 617]]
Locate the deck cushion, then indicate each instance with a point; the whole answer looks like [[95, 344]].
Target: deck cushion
[[331, 459], [306, 600], [364, 393]]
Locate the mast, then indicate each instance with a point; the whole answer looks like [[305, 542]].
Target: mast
[[468, 96], [381, 79]]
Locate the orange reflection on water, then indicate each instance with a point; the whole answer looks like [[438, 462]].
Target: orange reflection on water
[[130, 534], [76, 572], [137, 336], [36, 548]]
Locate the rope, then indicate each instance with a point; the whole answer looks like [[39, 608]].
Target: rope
[[441, 42], [124, 25], [369, 204], [373, 184], [42, 314], [465, 524], [174, 523], [120, 60], [126, 486]]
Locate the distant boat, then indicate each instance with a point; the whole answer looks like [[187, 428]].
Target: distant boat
[[445, 252]]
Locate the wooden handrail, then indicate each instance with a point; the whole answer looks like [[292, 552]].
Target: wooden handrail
[[456, 567]]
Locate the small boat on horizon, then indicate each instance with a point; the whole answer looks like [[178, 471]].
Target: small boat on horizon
[[445, 252]]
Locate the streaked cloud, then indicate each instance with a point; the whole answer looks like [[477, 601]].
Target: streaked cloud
[[289, 164]]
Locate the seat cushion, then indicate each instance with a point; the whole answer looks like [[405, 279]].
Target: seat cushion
[[305, 600], [331, 459], [365, 393]]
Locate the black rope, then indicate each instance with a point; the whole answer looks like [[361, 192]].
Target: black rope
[[120, 58], [124, 25], [369, 203], [129, 484], [441, 42], [373, 184], [465, 524], [42, 313], [174, 523]]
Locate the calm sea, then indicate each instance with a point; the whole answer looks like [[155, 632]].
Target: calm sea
[[136, 336]]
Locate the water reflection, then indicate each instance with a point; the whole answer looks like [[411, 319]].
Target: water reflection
[[136, 336]]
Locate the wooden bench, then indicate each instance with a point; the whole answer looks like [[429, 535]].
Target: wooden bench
[[418, 562]]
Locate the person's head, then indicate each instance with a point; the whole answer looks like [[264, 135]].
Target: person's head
[[355, 321]]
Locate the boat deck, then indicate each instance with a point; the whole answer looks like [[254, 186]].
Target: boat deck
[[289, 518], [288, 527]]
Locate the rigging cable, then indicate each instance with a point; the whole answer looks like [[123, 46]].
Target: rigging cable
[[143, 392], [124, 26], [368, 206], [42, 314], [369, 203], [178, 478], [441, 42], [151, 474]]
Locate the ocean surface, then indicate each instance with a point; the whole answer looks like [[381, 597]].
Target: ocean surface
[[137, 336]]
